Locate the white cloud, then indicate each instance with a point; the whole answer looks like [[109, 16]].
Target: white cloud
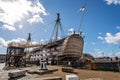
[[70, 31], [113, 39], [20, 26], [99, 33], [34, 42], [100, 54], [59, 37], [17, 40], [97, 49], [100, 37], [42, 41], [9, 27], [118, 27], [13, 11], [21, 41], [109, 2], [35, 19], [2, 42], [93, 43]]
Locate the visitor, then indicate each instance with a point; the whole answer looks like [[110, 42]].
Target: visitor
[[37, 62]]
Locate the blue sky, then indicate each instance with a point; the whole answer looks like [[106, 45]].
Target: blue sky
[[100, 26]]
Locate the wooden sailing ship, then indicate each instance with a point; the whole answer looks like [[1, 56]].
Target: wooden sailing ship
[[65, 51]]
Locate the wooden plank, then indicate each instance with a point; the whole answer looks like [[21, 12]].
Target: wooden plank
[[17, 73], [68, 69], [52, 78]]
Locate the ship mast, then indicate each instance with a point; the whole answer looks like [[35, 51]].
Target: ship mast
[[29, 39], [28, 43], [57, 25]]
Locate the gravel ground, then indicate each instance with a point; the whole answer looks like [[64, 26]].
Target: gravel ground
[[83, 74]]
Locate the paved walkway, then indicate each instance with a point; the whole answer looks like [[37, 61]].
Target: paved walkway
[[4, 73], [83, 74], [1, 65]]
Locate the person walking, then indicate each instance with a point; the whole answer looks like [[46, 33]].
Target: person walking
[[37, 63]]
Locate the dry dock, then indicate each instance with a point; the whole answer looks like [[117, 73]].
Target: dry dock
[[83, 74]]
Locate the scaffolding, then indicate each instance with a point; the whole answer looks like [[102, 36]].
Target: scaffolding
[[16, 55]]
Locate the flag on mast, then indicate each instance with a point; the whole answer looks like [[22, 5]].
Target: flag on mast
[[82, 9]]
